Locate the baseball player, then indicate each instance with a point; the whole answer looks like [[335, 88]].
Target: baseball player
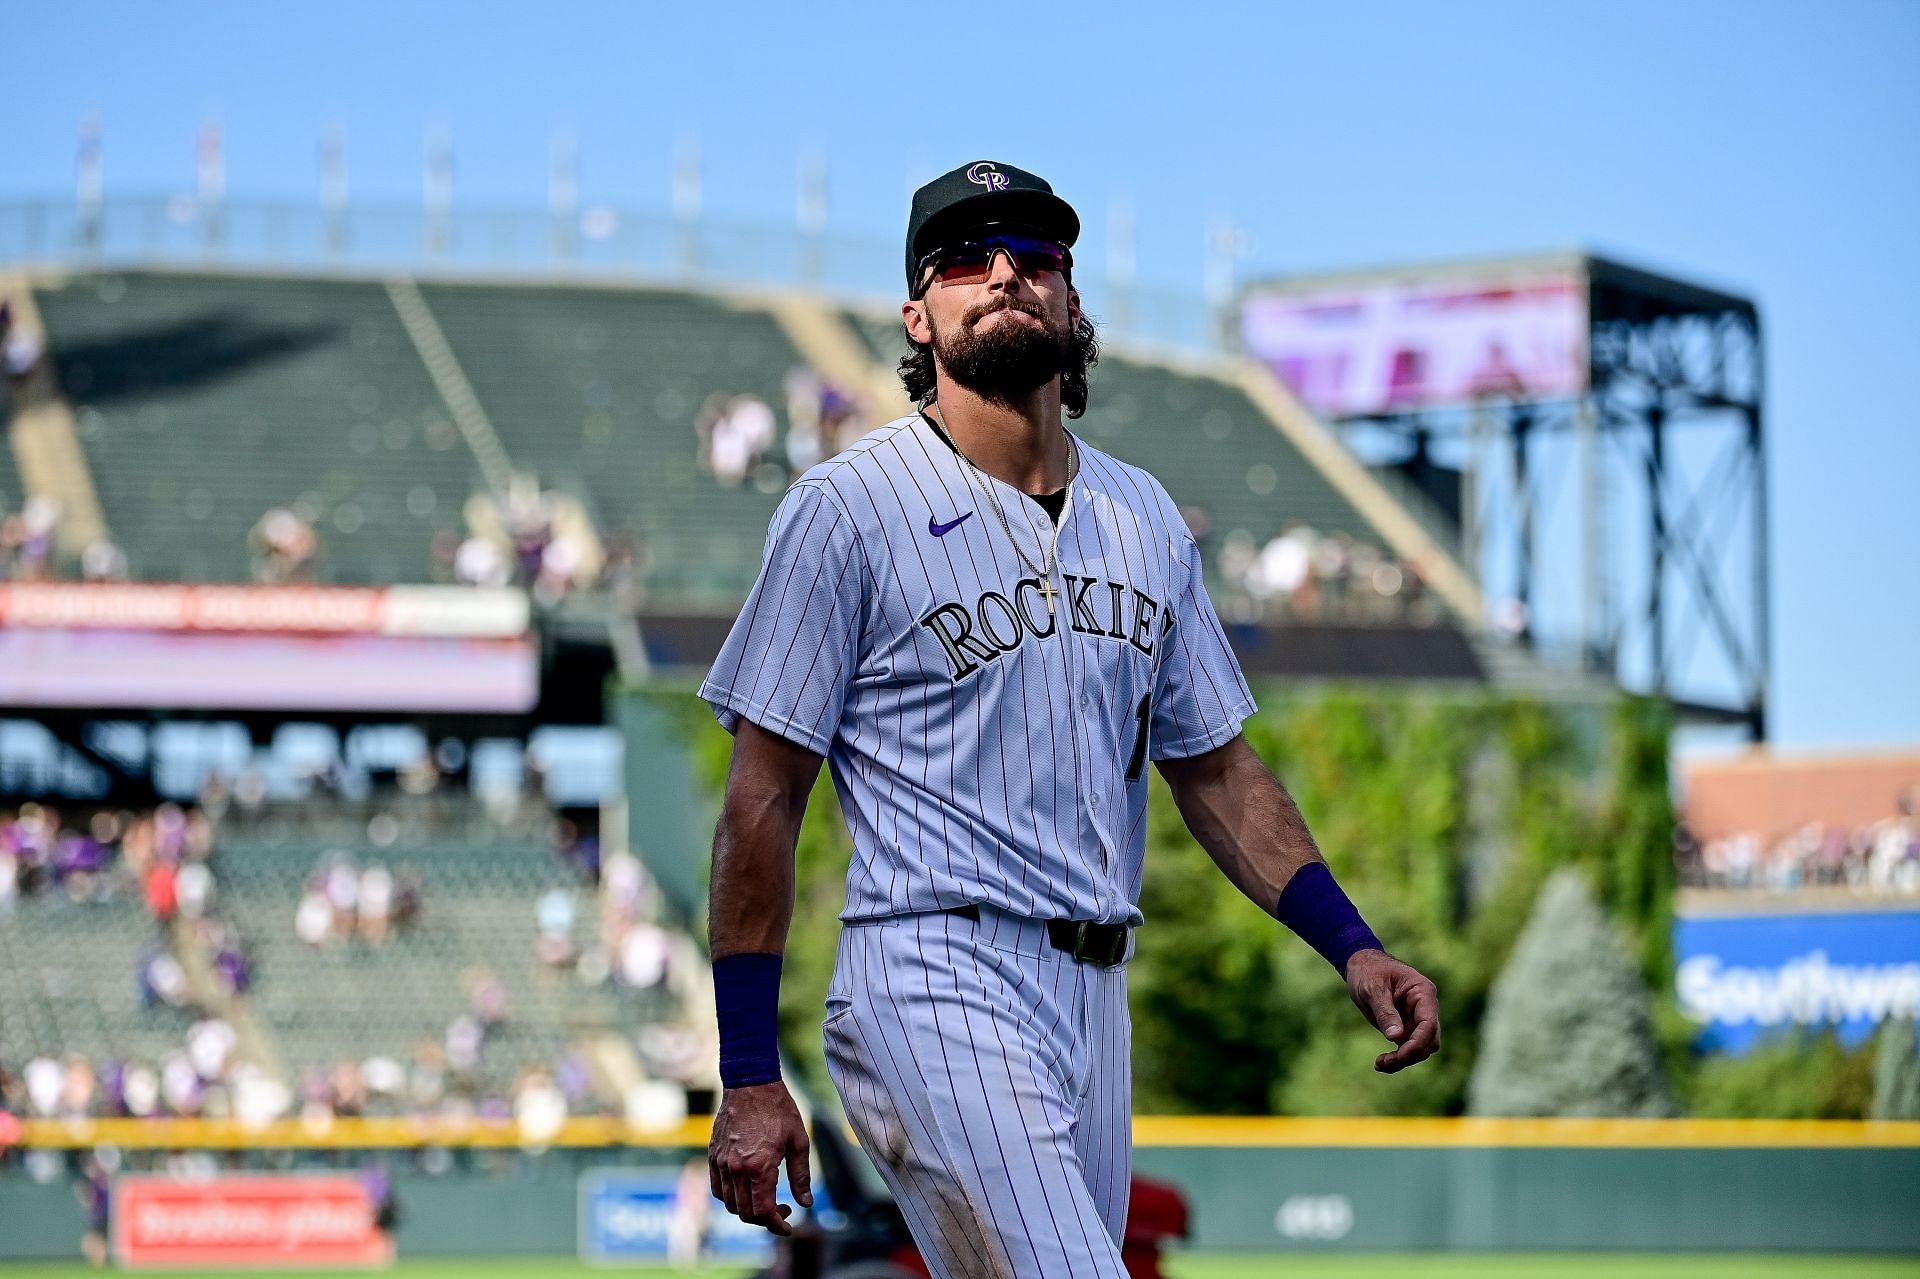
[[987, 628]]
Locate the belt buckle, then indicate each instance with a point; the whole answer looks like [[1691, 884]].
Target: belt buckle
[[1106, 956]]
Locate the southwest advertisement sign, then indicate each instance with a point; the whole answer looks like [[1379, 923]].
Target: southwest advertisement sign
[[1743, 977], [633, 1214], [268, 1220]]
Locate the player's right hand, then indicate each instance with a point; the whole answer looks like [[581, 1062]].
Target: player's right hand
[[757, 1130]]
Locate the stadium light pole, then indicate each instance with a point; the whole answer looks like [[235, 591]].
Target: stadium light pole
[[810, 213], [1121, 262], [437, 192], [563, 192], [333, 187], [686, 202], [89, 194]]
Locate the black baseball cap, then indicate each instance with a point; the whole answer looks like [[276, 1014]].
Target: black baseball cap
[[979, 194]]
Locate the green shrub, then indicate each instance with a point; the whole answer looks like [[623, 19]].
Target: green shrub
[[1801, 1075], [1569, 1026]]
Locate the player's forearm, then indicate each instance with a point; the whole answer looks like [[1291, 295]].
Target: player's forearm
[[1241, 814], [750, 896]]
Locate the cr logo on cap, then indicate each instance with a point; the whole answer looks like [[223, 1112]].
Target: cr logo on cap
[[987, 176]]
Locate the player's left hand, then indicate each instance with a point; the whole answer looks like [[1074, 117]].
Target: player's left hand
[[1401, 1004]]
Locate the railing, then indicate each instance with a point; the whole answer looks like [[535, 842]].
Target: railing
[[598, 243], [1178, 1131]]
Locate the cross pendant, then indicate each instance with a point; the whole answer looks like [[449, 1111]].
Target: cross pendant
[[1047, 593]]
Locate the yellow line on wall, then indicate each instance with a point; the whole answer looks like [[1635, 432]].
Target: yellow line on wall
[[1173, 1130], [1216, 1132]]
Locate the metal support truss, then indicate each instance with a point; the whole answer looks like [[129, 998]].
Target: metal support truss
[[1625, 531]]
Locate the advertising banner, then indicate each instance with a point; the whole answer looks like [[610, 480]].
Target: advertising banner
[[268, 1220], [653, 1213], [1743, 977]]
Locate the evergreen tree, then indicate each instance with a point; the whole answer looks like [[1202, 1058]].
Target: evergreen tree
[[1569, 1023], [1896, 1071]]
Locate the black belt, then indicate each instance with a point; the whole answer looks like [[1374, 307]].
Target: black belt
[[1086, 941]]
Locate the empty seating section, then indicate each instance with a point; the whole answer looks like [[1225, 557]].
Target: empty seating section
[[353, 999], [204, 400], [69, 982], [598, 392]]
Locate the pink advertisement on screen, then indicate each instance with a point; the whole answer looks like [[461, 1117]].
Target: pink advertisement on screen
[[1394, 347]]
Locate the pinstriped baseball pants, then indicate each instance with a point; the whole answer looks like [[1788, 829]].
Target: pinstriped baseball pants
[[989, 1078]]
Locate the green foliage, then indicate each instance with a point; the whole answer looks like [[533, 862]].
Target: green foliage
[[1569, 1026], [1794, 1076], [1896, 1071], [1442, 816]]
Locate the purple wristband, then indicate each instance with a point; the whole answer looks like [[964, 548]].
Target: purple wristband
[[1314, 907], [746, 995]]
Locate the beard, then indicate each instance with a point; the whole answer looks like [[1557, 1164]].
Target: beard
[[1007, 360]]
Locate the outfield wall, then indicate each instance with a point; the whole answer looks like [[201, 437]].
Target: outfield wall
[[1254, 1185]]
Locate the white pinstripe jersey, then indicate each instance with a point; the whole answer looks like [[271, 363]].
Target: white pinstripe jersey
[[983, 750]]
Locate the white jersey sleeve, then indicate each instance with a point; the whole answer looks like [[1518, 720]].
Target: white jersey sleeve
[[796, 644], [1200, 698]]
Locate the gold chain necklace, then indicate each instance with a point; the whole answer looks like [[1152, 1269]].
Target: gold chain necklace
[[1044, 573]]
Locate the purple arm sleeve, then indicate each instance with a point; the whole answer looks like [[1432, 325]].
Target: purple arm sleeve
[[746, 994], [1313, 906]]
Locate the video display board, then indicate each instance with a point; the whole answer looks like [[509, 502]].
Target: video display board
[[1358, 348]]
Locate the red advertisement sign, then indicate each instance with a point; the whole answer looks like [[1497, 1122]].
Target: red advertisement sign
[[453, 611], [262, 1221]]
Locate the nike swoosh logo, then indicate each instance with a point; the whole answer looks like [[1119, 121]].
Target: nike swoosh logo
[[938, 529]]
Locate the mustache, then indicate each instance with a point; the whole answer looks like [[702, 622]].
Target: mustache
[[975, 314]]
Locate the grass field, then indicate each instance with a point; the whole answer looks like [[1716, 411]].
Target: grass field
[[1213, 1266]]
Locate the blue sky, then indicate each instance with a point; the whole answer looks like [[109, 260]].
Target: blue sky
[[1770, 148]]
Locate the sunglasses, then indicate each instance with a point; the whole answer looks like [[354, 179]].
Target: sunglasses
[[971, 261]]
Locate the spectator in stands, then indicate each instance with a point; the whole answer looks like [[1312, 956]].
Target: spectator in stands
[[375, 904], [427, 1080], [180, 1085], [161, 980], [539, 1109], [20, 348], [313, 918], [443, 557], [805, 445], [284, 547], [643, 956], [27, 539], [79, 1089], [340, 881], [1882, 857], [479, 562], [162, 889], [554, 948], [103, 561], [230, 966], [139, 1091], [486, 997], [45, 1081], [210, 1045], [840, 419], [194, 888], [464, 1039], [739, 438]]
